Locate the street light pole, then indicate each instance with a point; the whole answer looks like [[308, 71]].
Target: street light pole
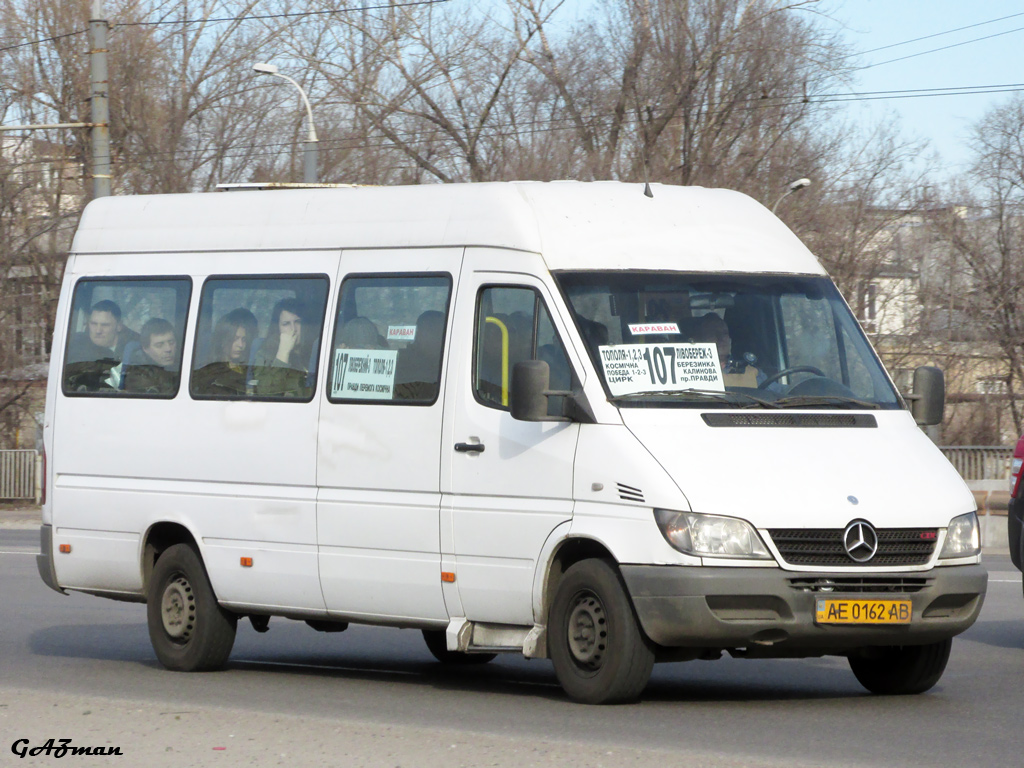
[[100, 110], [794, 186], [310, 152]]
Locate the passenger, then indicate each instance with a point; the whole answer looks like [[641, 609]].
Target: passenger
[[106, 336], [418, 371], [360, 333], [230, 346], [736, 373], [95, 355], [154, 371], [281, 365]]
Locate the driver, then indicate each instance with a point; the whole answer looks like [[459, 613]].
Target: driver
[[735, 373]]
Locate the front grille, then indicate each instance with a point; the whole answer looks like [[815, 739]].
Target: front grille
[[824, 546], [874, 584]]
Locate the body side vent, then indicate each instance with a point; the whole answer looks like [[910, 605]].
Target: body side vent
[[629, 493]]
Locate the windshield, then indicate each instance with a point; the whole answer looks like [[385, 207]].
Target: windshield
[[666, 339]]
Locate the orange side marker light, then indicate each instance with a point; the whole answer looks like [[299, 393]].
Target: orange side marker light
[[448, 577], [246, 562], [65, 549]]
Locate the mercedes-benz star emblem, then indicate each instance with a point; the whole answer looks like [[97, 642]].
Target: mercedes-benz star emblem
[[860, 541]]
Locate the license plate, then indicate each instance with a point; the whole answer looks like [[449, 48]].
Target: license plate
[[846, 611]]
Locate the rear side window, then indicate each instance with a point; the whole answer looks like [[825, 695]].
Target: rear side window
[[258, 338], [126, 336], [389, 339]]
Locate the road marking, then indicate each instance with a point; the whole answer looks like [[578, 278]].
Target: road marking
[[18, 552], [373, 670], [325, 667]]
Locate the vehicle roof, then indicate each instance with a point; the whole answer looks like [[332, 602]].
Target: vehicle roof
[[574, 225]]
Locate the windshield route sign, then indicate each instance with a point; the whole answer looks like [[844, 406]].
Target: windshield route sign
[[635, 368]]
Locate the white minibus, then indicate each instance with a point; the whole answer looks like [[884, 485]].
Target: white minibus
[[564, 419]]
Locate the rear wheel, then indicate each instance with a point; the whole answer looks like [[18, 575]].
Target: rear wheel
[[190, 632], [1021, 566], [598, 650], [437, 644], [901, 669]]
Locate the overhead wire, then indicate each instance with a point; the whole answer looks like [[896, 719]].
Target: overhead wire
[[548, 125], [937, 34], [249, 17], [435, 2], [556, 124], [43, 40], [943, 48], [292, 15]]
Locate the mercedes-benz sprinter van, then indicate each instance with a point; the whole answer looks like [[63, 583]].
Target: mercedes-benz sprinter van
[[561, 419]]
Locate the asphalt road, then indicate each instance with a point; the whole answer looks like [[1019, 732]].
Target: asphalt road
[[373, 696]]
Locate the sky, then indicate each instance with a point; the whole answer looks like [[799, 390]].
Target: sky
[[945, 121]]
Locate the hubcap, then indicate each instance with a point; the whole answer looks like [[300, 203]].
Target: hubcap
[[178, 609], [588, 631]]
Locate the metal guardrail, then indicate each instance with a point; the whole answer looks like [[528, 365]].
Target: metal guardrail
[[980, 462], [18, 473], [19, 469]]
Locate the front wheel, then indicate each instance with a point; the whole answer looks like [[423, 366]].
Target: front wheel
[[190, 632], [901, 669], [598, 650]]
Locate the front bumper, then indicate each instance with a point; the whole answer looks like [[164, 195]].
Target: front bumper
[[770, 611]]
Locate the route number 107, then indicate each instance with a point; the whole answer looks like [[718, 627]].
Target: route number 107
[[661, 372]]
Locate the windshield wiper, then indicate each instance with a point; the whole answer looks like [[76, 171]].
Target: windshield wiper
[[741, 399], [800, 401]]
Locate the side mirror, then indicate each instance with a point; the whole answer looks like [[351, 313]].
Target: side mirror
[[530, 393], [528, 397], [927, 403]]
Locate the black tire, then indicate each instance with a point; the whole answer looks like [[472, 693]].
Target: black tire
[[1021, 566], [600, 654], [190, 632], [901, 669], [437, 644]]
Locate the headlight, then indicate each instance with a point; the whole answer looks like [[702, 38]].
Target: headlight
[[963, 538], [710, 535]]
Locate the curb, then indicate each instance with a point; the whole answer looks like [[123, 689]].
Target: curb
[[20, 517]]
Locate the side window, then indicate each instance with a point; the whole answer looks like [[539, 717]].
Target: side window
[[513, 325], [258, 338], [389, 339], [126, 337]]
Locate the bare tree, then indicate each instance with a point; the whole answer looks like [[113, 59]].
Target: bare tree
[[188, 112], [855, 219], [424, 85], [34, 227], [988, 237], [711, 92]]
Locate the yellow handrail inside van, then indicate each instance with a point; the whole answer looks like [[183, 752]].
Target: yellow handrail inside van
[[504, 357]]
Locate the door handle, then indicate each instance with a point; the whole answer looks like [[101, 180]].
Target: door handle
[[469, 447]]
